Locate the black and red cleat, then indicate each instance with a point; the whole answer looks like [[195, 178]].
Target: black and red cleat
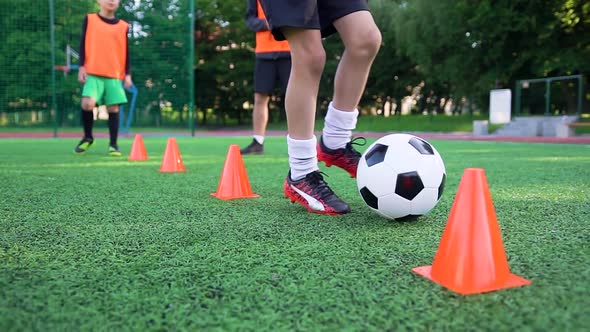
[[346, 158], [313, 193]]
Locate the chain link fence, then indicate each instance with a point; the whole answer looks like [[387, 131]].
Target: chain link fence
[[37, 67]]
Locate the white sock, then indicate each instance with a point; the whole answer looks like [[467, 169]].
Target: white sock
[[302, 157], [338, 127], [259, 139]]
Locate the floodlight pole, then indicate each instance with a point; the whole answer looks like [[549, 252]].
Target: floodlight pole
[[547, 97], [191, 69], [52, 40], [517, 93], [580, 94]]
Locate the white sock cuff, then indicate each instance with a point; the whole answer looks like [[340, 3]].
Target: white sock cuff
[[302, 148], [341, 119], [258, 138]]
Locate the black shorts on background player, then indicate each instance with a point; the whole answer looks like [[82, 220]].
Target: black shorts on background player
[[268, 73]]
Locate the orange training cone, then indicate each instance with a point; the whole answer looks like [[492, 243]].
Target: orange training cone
[[172, 161], [234, 180], [471, 257], [138, 152]]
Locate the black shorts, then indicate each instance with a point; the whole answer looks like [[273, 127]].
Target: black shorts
[[308, 14], [268, 72]]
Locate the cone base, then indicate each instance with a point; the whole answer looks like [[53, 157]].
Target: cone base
[[512, 281], [227, 198], [173, 171]]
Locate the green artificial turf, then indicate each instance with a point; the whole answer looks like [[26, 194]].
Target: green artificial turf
[[99, 243]]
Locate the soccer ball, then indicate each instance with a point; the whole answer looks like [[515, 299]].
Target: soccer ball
[[401, 176]]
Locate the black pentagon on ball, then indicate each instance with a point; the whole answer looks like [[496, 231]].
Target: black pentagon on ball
[[421, 145], [369, 198], [408, 185], [376, 154], [441, 187]]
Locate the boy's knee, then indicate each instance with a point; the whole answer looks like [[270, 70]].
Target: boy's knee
[[374, 40], [315, 59], [261, 98], [88, 104], [367, 44], [113, 109]]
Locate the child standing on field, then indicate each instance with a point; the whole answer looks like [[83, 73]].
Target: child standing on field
[[104, 63], [303, 24], [273, 65]]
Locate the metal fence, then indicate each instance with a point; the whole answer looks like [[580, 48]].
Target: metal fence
[[550, 96], [38, 61]]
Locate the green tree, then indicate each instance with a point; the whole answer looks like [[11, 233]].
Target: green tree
[[24, 60], [473, 46], [394, 75]]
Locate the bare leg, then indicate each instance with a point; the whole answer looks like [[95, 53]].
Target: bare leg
[[88, 104], [113, 109], [305, 184], [307, 63], [260, 113], [362, 40]]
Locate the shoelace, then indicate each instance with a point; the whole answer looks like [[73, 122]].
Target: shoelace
[[316, 180], [359, 141]]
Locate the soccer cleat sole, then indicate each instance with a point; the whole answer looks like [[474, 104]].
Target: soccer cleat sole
[[80, 152]]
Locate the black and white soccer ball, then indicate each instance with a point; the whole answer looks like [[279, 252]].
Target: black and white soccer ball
[[401, 176]]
